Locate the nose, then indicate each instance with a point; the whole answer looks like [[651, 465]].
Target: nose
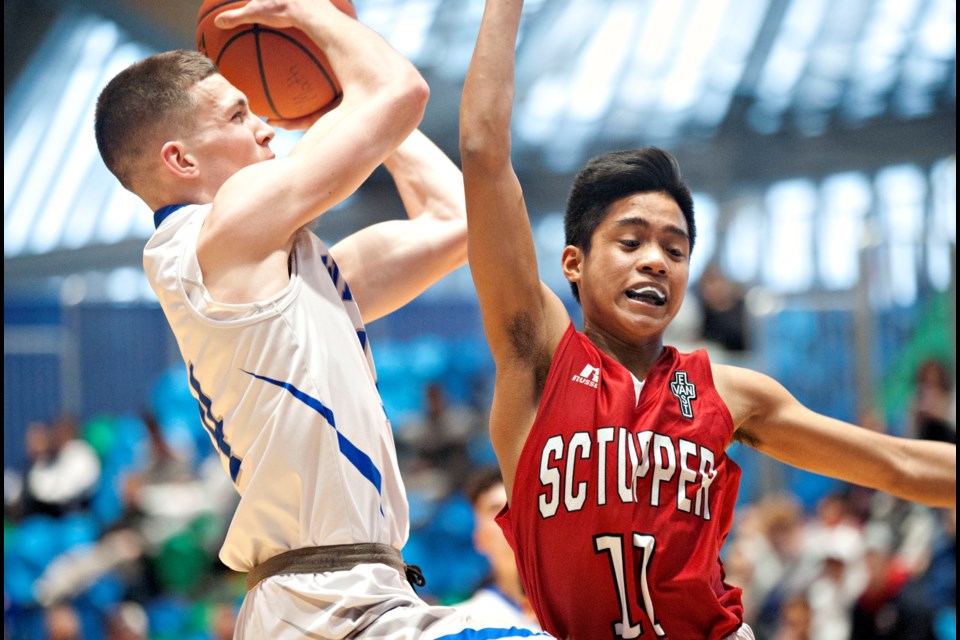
[[651, 259], [264, 132]]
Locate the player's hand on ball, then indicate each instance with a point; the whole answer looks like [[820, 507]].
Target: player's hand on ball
[[272, 13]]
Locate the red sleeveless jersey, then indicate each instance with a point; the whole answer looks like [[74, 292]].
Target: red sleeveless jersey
[[619, 509]]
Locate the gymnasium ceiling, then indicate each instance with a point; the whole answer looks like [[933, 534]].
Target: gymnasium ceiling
[[742, 91]]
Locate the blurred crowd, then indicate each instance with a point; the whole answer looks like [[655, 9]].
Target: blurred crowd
[[112, 532], [113, 529]]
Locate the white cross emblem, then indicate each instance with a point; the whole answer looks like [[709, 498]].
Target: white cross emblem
[[685, 391]]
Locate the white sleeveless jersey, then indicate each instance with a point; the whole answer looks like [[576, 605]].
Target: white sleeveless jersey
[[287, 392]]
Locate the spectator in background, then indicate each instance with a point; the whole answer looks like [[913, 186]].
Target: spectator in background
[[890, 607], [795, 620], [128, 621], [63, 472], [161, 500], [772, 536], [61, 622], [435, 444], [939, 581], [834, 591], [724, 311], [501, 595], [934, 411]]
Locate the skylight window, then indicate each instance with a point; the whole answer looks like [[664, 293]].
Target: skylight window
[[788, 259], [846, 200]]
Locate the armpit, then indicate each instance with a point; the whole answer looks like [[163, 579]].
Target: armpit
[[744, 436], [528, 348]]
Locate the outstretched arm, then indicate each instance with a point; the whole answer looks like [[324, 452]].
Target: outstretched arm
[[774, 422], [390, 263], [262, 206], [523, 320]]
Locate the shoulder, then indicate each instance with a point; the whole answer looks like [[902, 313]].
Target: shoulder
[[746, 393], [177, 222], [176, 226]]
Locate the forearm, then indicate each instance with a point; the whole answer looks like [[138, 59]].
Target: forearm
[[488, 90], [771, 420], [428, 182], [378, 83], [927, 473], [360, 58], [362, 61], [384, 98]]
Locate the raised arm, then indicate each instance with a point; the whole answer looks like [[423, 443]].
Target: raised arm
[[390, 263], [263, 205], [774, 422], [523, 320]]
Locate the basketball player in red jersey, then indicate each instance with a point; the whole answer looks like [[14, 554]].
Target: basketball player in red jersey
[[612, 445]]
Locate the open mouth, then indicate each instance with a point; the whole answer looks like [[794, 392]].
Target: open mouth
[[648, 294]]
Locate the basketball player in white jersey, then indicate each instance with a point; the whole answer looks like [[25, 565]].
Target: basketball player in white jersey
[[272, 334]]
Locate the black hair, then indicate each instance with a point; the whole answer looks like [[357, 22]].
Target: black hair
[[613, 176]]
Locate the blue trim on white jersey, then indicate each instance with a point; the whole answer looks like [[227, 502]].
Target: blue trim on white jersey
[[490, 634], [334, 272], [163, 213], [354, 455], [345, 295], [216, 431]]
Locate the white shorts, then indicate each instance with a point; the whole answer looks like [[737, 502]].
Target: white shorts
[[368, 601], [743, 633]]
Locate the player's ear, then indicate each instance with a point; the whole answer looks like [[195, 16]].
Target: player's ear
[[176, 160], [571, 262]]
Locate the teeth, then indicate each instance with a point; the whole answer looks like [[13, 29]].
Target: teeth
[[648, 293]]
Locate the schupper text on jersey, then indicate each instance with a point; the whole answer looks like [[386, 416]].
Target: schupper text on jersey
[[644, 463]]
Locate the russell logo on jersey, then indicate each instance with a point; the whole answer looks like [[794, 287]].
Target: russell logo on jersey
[[680, 386], [590, 376]]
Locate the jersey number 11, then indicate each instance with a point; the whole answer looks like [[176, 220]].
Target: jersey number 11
[[611, 544]]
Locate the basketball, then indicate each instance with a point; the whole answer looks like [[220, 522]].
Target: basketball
[[282, 71]]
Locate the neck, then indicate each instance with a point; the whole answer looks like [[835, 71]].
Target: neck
[[637, 357], [166, 191]]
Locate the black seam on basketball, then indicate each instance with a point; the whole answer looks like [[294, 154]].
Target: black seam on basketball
[[226, 45], [215, 7], [263, 73], [333, 87]]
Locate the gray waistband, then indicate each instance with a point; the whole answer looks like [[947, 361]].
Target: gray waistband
[[338, 557]]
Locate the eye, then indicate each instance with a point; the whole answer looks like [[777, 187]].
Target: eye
[[238, 116], [631, 244], [675, 251]]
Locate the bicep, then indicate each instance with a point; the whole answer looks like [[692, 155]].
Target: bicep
[[263, 205], [520, 315], [390, 263], [778, 425], [771, 420]]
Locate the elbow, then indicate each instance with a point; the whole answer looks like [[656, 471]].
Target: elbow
[[397, 103], [418, 94], [410, 98], [482, 143], [485, 122]]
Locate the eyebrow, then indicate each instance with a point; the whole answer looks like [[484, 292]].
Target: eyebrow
[[640, 222], [239, 103]]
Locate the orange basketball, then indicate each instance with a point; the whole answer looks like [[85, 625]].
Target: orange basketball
[[282, 71]]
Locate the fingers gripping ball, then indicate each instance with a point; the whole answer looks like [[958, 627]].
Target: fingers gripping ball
[[282, 71]]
